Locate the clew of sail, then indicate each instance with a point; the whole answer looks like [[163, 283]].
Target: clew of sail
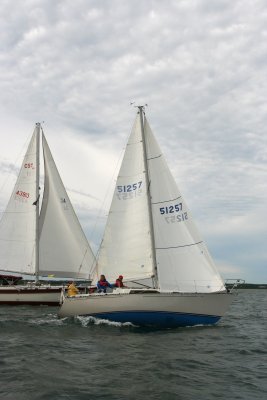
[[126, 245], [64, 249], [18, 223], [183, 261]]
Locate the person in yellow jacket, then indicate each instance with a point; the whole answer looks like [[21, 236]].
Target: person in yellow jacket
[[72, 289]]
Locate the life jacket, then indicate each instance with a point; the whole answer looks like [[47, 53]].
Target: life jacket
[[72, 290], [103, 283], [119, 283]]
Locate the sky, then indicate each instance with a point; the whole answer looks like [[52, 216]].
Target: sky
[[200, 65]]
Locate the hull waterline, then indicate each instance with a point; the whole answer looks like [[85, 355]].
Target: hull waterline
[[153, 309]]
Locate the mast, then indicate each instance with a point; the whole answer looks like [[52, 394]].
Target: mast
[[151, 224], [36, 203]]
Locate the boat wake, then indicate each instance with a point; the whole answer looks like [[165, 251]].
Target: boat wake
[[85, 321], [51, 319]]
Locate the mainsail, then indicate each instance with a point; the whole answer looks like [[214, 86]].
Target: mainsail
[[62, 248], [183, 261], [174, 251]]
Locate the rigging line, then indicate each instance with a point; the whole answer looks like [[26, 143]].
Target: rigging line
[[177, 247], [166, 201]]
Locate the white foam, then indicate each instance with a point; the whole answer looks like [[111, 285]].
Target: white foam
[[85, 321]]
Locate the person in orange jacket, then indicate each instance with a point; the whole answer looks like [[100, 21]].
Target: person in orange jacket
[[72, 289]]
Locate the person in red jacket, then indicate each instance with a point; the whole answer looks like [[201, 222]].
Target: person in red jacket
[[103, 284], [119, 282]]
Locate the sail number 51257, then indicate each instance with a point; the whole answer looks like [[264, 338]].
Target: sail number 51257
[[171, 209], [129, 188]]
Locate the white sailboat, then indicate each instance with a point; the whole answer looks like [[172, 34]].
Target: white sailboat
[[41, 243], [150, 237]]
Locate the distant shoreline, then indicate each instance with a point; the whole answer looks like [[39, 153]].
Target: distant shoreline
[[250, 286]]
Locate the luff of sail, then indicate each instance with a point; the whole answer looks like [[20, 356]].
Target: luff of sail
[[64, 249], [18, 223]]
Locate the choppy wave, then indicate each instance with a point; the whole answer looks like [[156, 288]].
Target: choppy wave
[[44, 357]]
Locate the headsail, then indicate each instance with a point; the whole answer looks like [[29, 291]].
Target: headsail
[[64, 249], [17, 226]]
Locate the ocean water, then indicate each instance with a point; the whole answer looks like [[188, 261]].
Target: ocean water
[[43, 357]]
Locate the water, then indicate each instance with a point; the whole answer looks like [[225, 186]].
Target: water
[[42, 357]]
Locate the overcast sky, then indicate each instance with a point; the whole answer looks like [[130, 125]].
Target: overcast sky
[[201, 66]]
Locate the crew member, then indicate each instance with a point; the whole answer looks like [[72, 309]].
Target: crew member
[[119, 282], [72, 289], [103, 284]]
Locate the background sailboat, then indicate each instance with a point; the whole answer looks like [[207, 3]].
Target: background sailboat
[[52, 243], [150, 235]]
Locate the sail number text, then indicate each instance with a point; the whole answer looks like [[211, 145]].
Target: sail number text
[[171, 209], [174, 209], [23, 194], [176, 218], [29, 165], [125, 192], [129, 188]]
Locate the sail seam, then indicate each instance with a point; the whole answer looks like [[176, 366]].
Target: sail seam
[[167, 201], [177, 247]]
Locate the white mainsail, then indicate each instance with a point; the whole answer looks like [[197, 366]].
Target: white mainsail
[[18, 223], [182, 261], [64, 249]]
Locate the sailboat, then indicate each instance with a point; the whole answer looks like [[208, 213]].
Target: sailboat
[[150, 238], [42, 243]]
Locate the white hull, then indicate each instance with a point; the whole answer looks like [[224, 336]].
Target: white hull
[[30, 294], [150, 308]]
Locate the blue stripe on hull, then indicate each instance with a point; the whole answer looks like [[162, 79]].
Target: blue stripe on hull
[[162, 319]]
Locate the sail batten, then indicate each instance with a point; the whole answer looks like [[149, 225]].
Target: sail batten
[[166, 200], [177, 247]]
